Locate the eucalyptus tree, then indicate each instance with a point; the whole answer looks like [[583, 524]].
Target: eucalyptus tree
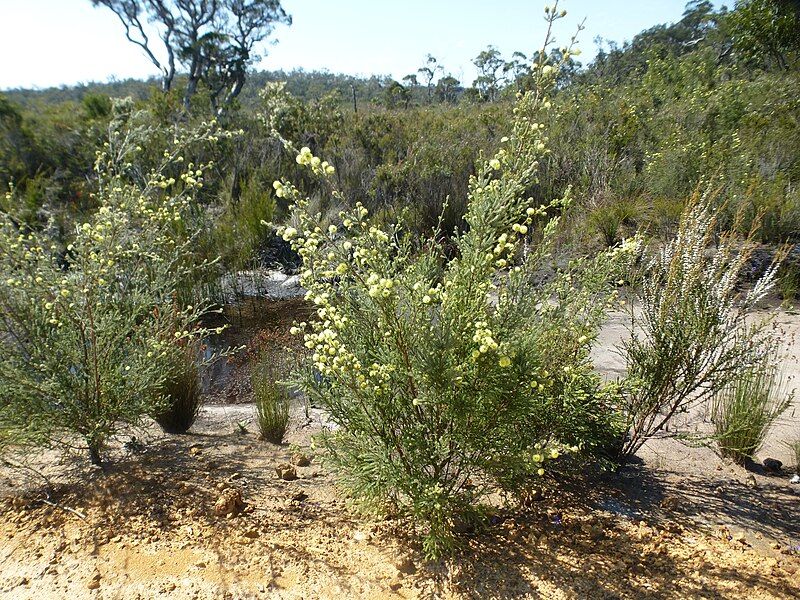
[[491, 73], [212, 41], [429, 71]]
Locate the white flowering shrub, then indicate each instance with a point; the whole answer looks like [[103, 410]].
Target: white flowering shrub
[[87, 332], [450, 380], [693, 335]]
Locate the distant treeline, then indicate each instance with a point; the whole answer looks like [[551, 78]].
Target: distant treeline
[[306, 85], [712, 100]]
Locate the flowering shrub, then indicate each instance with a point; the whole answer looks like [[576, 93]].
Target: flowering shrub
[[449, 380], [87, 332], [693, 336]]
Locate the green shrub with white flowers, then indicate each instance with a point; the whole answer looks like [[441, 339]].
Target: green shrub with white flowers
[[88, 331], [450, 380]]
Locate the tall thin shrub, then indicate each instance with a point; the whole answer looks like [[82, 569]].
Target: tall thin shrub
[[181, 390], [691, 334]]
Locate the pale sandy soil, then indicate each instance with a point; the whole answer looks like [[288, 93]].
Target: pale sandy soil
[[680, 524]]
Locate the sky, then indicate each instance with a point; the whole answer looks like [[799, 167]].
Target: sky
[[47, 43]]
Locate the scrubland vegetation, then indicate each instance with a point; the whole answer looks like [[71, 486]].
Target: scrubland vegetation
[[461, 247]]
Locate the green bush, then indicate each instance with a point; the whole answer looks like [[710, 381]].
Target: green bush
[[608, 220], [692, 333], [272, 400], [87, 332], [236, 230], [181, 391], [744, 410], [441, 396]]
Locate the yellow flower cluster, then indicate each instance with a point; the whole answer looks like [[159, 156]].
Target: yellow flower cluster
[[379, 286], [320, 167], [483, 337]]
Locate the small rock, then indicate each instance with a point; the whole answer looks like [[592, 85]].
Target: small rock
[[286, 472], [674, 527], [229, 503], [299, 496], [94, 582], [291, 282], [359, 536], [301, 460], [251, 533], [751, 481], [795, 479], [772, 465], [463, 527], [194, 450], [670, 503]]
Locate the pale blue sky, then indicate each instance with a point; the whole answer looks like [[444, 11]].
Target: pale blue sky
[[52, 42]]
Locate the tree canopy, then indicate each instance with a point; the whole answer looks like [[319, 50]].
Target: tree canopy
[[213, 41]]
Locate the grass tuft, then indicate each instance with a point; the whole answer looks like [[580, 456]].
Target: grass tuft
[[745, 409], [271, 400]]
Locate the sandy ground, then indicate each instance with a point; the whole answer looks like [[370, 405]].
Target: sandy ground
[[206, 516], [787, 327]]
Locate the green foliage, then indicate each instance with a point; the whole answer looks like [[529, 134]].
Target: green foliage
[[87, 328], [271, 398], [692, 334], [419, 159], [745, 408], [237, 233], [788, 282], [310, 123], [766, 32], [643, 123], [675, 109], [97, 106], [608, 220], [441, 396], [181, 390]]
